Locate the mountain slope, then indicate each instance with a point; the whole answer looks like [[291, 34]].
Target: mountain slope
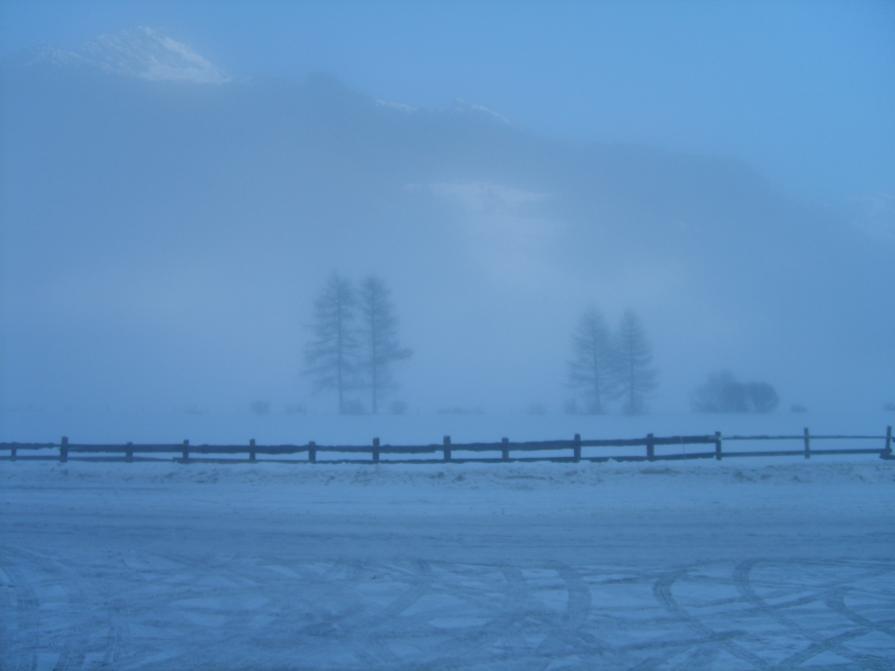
[[142, 53], [168, 219]]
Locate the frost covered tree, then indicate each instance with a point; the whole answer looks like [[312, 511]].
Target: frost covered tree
[[379, 343], [590, 368], [332, 352], [632, 365]]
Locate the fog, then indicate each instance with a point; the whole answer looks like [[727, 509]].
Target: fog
[[179, 182], [392, 335]]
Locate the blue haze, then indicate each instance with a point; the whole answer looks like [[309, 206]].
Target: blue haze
[[724, 169]]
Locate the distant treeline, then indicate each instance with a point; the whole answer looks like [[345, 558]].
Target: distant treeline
[[354, 346]]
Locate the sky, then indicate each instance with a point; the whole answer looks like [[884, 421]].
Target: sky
[[707, 165], [784, 85]]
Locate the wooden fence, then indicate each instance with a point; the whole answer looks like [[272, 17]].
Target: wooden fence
[[655, 448]]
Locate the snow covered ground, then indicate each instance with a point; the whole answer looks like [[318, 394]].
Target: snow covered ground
[[234, 425], [775, 565]]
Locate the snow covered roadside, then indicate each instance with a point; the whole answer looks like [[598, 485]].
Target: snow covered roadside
[[770, 470], [830, 486], [689, 565]]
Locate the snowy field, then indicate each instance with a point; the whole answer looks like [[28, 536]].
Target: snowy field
[[782, 564], [230, 425]]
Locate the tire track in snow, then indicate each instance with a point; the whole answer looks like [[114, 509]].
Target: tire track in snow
[[414, 619], [375, 639], [8, 605], [572, 629], [662, 589], [836, 602], [819, 644], [22, 652]]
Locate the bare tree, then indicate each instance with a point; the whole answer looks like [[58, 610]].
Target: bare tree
[[632, 365], [379, 339], [331, 354], [590, 367]]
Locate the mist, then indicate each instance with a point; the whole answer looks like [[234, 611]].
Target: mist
[[178, 185], [389, 335]]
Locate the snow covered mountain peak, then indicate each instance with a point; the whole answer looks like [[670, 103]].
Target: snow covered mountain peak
[[146, 53], [463, 107], [142, 53]]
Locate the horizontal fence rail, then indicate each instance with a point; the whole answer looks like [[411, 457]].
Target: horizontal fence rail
[[448, 451]]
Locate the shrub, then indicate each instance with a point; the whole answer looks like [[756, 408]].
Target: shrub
[[353, 407], [761, 397], [722, 392], [260, 408]]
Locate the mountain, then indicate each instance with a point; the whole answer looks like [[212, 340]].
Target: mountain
[[160, 218], [142, 53]]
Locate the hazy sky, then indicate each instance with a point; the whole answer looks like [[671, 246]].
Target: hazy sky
[[801, 89], [151, 193]]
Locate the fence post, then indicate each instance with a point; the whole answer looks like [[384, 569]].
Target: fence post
[[887, 453], [807, 439], [718, 445], [312, 452], [12, 452], [650, 447], [505, 449], [129, 455], [63, 449], [375, 450], [447, 448], [576, 448], [185, 451], [252, 450]]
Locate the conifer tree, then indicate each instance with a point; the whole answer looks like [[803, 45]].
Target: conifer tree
[[632, 365], [590, 367], [331, 354], [379, 343]]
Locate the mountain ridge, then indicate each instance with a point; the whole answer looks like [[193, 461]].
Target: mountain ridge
[[198, 209], [141, 52]]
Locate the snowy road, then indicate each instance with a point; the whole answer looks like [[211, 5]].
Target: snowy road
[[158, 566]]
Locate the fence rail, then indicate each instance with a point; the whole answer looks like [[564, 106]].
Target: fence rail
[[447, 451]]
